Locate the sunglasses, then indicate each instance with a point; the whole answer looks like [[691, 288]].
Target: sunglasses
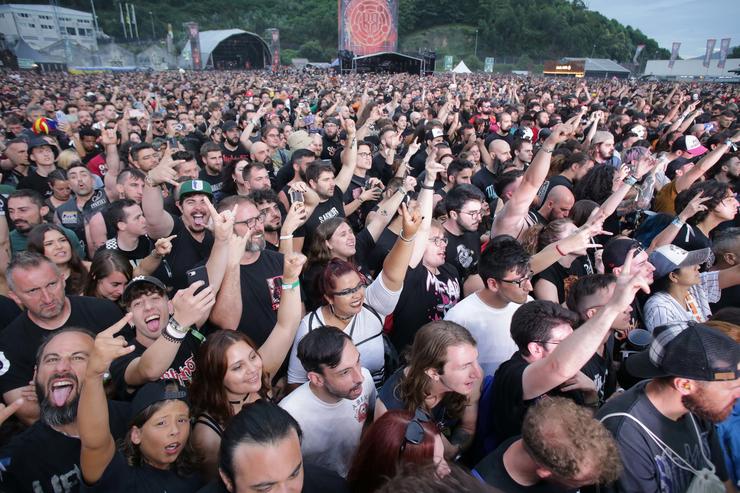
[[350, 291], [415, 430]]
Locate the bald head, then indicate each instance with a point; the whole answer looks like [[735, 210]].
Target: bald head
[[259, 152], [500, 149], [558, 203]]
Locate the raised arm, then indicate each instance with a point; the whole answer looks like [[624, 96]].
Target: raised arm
[[669, 233], [159, 222], [568, 357], [189, 308], [396, 262], [426, 205], [277, 345], [687, 179], [227, 311], [150, 263], [349, 158], [97, 446], [112, 162], [379, 220]]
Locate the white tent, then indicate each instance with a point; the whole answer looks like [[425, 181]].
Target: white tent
[[461, 68]]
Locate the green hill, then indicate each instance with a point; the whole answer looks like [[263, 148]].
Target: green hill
[[521, 31]]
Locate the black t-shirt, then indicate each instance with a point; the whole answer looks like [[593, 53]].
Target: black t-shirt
[[181, 368], [692, 238], [730, 298], [119, 476], [330, 148], [216, 182], [425, 297], [22, 338], [186, 252], [333, 207], [552, 182], [283, 177], [261, 289], [484, 180], [492, 470], [238, 154], [8, 312], [463, 252], [142, 250], [35, 181], [564, 277], [316, 479], [647, 466], [355, 189], [380, 168], [382, 247], [42, 459]]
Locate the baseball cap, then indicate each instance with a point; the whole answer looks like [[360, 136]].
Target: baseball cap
[[153, 392], [615, 252], [688, 144], [524, 133], [333, 120], [688, 350], [194, 186], [668, 258], [602, 136], [228, 125], [141, 280], [675, 165]]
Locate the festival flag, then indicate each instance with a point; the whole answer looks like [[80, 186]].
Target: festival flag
[[133, 20], [724, 47], [710, 49], [128, 21], [638, 50], [674, 53]]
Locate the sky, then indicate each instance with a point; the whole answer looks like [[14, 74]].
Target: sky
[[691, 22]]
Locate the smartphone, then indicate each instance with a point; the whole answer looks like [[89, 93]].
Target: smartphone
[[198, 274], [295, 196]]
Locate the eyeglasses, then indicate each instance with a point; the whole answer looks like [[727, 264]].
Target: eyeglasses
[[363, 154], [548, 342], [414, 430], [440, 240], [252, 221], [350, 291], [478, 213], [521, 281]]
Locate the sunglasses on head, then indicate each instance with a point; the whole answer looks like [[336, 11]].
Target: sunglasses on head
[[415, 430]]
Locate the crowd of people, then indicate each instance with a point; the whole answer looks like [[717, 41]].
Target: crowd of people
[[307, 281]]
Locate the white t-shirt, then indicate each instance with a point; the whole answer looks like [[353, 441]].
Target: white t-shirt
[[489, 326], [365, 329], [331, 432]]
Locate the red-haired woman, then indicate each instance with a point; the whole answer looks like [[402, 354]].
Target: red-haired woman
[[396, 439], [233, 371]]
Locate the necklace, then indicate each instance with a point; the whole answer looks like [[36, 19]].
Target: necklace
[[241, 402], [339, 317]]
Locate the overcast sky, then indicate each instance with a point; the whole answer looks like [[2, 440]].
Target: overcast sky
[[689, 21]]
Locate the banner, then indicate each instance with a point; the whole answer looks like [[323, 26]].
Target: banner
[[674, 54], [191, 29], [710, 49], [368, 26], [488, 64], [638, 50], [275, 48], [724, 47], [448, 63]]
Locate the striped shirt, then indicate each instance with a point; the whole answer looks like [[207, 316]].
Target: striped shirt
[[662, 308]]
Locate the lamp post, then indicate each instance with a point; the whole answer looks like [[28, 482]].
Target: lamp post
[[151, 17], [476, 43]]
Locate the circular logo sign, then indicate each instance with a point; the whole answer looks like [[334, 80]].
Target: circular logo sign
[[370, 22]]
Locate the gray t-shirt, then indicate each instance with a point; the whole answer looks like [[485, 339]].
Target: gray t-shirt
[[647, 468]]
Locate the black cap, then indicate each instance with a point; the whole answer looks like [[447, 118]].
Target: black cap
[[41, 142], [615, 252], [675, 165], [688, 350], [141, 280], [153, 392], [228, 125]]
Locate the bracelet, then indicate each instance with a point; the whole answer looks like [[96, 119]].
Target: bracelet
[[557, 249], [169, 338], [425, 187], [156, 255], [149, 182], [407, 240], [292, 285], [729, 143], [630, 180], [549, 151], [286, 237], [678, 222]]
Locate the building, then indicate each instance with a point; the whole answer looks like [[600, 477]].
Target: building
[[43, 25], [692, 69], [601, 68]]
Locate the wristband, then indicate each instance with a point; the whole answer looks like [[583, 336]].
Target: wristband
[[549, 151], [407, 240], [425, 187], [557, 249], [149, 182], [286, 237], [678, 222], [729, 143], [292, 285], [630, 180]]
